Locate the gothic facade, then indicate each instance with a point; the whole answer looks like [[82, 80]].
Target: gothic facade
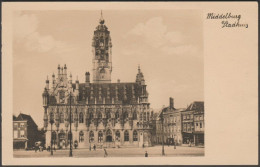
[[102, 113]]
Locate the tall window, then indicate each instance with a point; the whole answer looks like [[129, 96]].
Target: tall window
[[100, 136], [61, 117], [90, 115], [81, 136], [144, 116], [125, 115], [134, 116], [117, 135], [99, 115], [126, 136], [81, 118], [91, 136], [108, 115], [135, 137], [117, 114]]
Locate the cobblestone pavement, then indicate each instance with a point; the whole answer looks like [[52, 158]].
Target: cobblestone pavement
[[155, 151]]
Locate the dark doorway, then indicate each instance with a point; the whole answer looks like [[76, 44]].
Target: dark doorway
[[109, 136]]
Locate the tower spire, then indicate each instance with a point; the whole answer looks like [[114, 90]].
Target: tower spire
[[101, 21]]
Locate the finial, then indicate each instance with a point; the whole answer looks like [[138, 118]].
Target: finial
[[101, 21], [53, 75], [139, 68], [59, 66]]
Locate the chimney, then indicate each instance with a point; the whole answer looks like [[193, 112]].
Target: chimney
[[171, 103], [87, 81]]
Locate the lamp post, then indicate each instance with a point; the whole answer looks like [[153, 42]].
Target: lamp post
[[163, 153], [51, 122], [70, 134]]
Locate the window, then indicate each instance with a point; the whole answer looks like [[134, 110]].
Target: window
[[100, 136], [108, 115], [81, 136], [135, 137], [91, 136], [191, 116], [117, 114], [81, 118], [91, 115], [22, 133], [15, 125], [188, 127], [126, 136], [134, 116], [174, 119], [197, 124], [117, 135], [145, 116], [61, 117], [141, 116], [188, 116], [125, 115], [15, 134], [99, 115], [184, 117], [21, 124], [200, 125]]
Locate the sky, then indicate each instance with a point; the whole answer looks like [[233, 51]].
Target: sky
[[167, 44]]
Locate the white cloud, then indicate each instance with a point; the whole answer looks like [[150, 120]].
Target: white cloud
[[154, 32], [25, 32]]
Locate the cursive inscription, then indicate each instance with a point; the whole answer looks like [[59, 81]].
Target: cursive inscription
[[228, 20]]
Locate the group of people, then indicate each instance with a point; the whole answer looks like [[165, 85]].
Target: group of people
[[94, 147]]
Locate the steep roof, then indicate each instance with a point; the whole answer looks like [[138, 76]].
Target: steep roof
[[24, 117], [128, 93], [196, 105]]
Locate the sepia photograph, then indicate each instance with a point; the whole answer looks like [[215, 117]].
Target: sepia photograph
[[107, 83], [129, 83]]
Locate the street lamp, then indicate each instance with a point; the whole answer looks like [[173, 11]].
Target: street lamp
[[163, 154], [51, 122], [70, 134]]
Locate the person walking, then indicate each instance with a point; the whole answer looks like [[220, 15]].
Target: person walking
[[105, 153], [94, 147], [146, 154], [89, 148]]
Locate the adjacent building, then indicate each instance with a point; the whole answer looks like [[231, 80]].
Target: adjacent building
[[100, 112], [193, 123], [25, 132], [172, 127]]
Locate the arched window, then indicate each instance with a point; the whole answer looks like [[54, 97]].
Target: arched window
[[144, 116], [81, 118], [134, 116], [91, 136], [135, 136], [117, 114], [51, 116], [99, 115], [118, 135], [81, 136], [108, 115], [90, 115], [100, 136], [125, 115], [126, 136], [61, 117]]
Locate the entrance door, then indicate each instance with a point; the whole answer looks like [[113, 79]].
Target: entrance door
[[109, 136]]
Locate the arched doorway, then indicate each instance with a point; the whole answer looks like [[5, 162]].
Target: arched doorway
[[108, 136]]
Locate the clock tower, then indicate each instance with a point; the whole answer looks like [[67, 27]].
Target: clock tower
[[102, 53]]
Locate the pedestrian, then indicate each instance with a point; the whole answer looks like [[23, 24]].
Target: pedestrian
[[105, 153], [89, 148], [143, 145], [94, 147], [146, 154]]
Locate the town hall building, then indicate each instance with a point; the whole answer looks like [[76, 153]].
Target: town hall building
[[100, 112]]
